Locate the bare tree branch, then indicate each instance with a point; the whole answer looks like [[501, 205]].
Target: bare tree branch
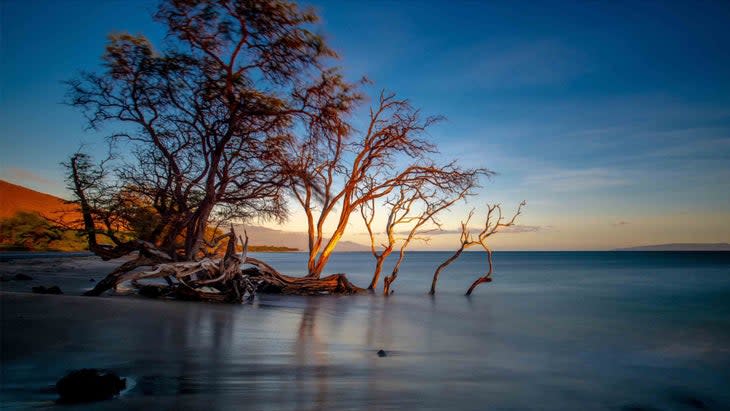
[[494, 221]]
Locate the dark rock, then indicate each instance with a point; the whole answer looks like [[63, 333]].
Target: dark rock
[[150, 291], [382, 353], [91, 280], [22, 277], [50, 290], [88, 385], [4, 278]]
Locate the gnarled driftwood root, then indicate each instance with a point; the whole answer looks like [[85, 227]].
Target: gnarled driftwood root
[[272, 282], [220, 280]]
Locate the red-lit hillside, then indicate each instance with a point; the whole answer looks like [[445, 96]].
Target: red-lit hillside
[[14, 198]]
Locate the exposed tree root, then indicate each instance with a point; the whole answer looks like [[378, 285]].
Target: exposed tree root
[[114, 278], [273, 282], [219, 280]]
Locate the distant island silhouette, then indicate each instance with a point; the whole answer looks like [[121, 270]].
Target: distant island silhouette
[[680, 247]]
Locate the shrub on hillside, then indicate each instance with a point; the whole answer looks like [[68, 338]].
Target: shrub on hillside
[[29, 231]]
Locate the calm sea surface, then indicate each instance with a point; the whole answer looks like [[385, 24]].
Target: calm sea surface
[[553, 331]]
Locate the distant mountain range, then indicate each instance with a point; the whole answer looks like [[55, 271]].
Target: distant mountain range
[[291, 239], [680, 247]]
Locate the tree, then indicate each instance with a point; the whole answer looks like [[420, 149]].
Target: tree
[[435, 201], [236, 114], [415, 206], [492, 226], [334, 171], [203, 122], [399, 209]]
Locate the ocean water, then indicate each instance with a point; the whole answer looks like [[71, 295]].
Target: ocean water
[[553, 331]]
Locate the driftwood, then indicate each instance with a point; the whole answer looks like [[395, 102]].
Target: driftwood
[[222, 280], [114, 278]]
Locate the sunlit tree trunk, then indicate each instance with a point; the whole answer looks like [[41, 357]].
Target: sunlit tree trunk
[[441, 267]]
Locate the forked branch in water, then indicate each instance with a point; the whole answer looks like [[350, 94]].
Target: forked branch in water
[[494, 222]]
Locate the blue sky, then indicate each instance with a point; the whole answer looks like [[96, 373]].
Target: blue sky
[[611, 118]]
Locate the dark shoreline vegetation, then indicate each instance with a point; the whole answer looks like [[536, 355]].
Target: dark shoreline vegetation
[[243, 114], [31, 232]]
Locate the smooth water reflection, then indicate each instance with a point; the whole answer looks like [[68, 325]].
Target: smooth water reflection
[[647, 334]]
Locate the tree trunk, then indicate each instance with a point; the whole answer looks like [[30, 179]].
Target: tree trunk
[[441, 267], [376, 275], [487, 278], [112, 279], [329, 247], [194, 238], [89, 226], [476, 282], [388, 280]]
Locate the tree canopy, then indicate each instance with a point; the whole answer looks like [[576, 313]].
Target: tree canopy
[[238, 116], [203, 121]]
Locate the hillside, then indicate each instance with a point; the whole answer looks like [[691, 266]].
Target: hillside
[[15, 198]]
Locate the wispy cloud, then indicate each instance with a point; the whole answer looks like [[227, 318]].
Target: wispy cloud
[[22, 175], [518, 228], [567, 179], [515, 229]]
